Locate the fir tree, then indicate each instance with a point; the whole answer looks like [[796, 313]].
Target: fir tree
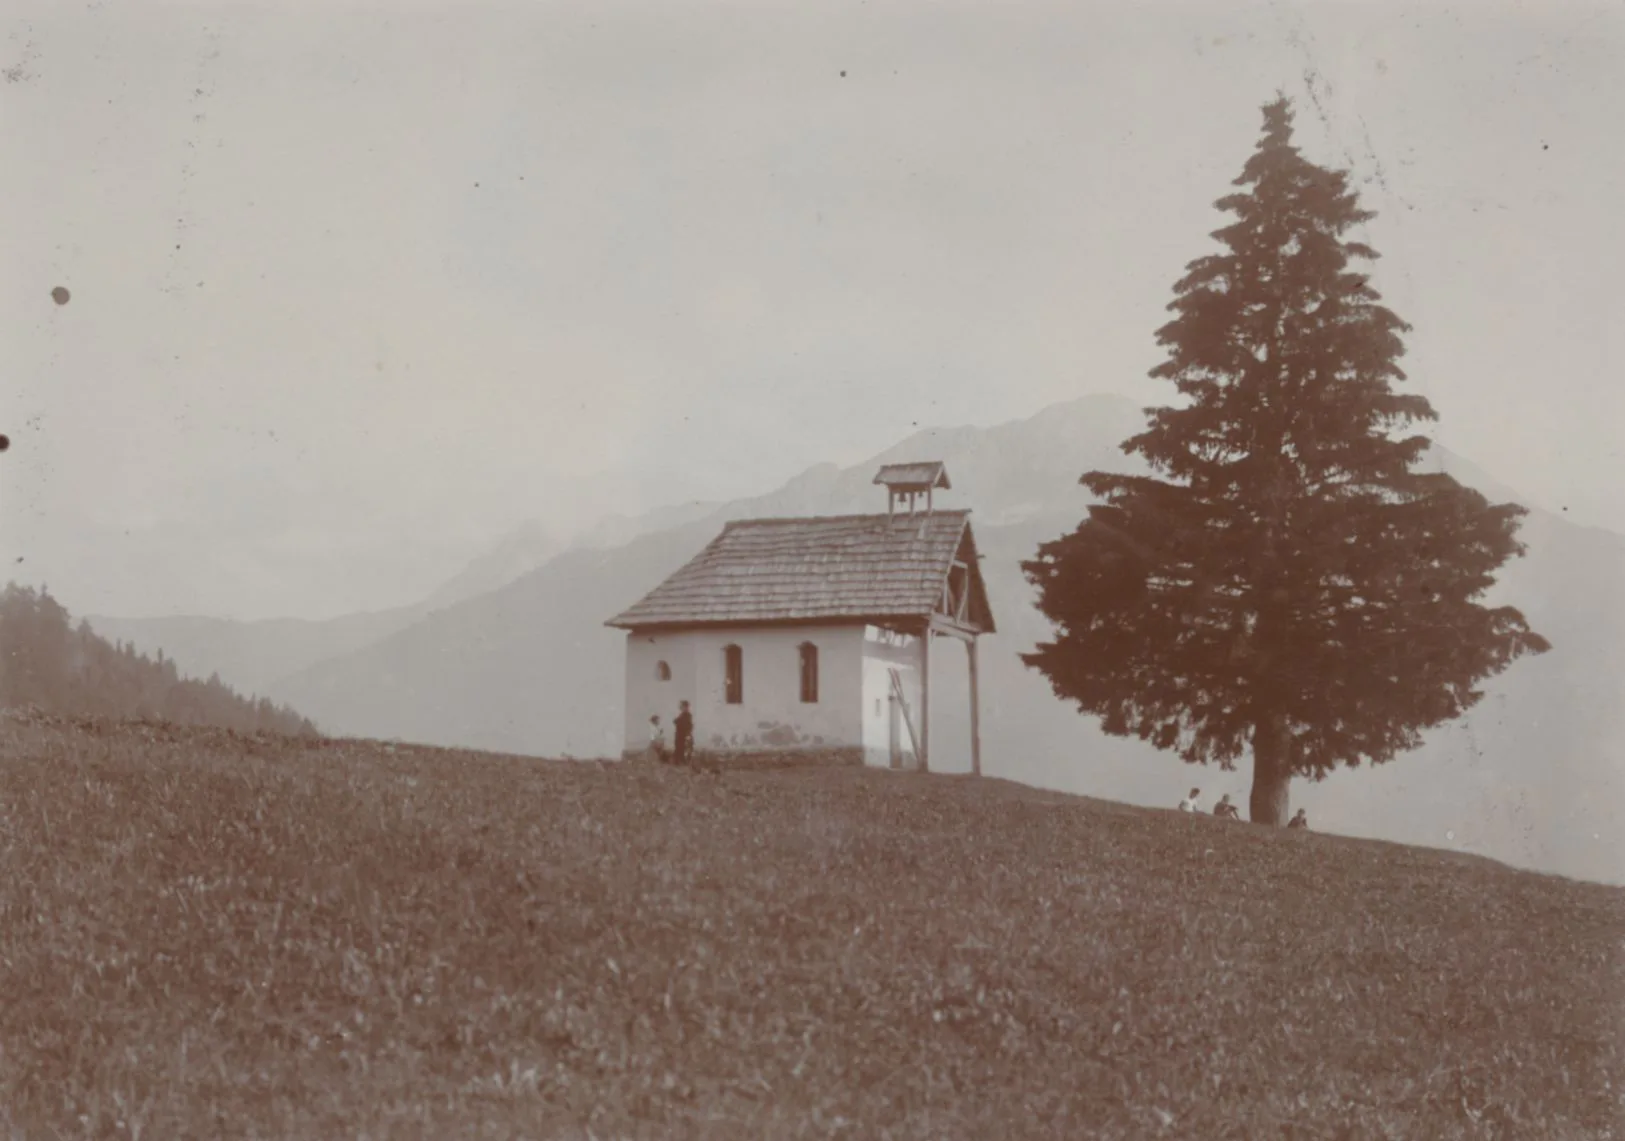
[[46, 662], [1285, 579]]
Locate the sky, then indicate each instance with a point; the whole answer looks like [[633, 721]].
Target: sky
[[355, 289]]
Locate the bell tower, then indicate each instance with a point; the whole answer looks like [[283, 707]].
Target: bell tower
[[908, 483]]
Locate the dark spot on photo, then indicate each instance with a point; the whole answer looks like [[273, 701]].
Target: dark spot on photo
[[60, 295]]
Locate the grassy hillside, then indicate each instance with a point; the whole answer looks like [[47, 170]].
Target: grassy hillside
[[1531, 776], [207, 935]]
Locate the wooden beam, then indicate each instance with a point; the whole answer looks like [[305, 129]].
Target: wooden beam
[[942, 624], [975, 714], [902, 703]]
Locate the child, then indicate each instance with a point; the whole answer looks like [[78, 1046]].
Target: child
[[657, 739], [1301, 820], [1224, 810], [1193, 802]]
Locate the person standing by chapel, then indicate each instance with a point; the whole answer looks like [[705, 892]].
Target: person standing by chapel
[[684, 724]]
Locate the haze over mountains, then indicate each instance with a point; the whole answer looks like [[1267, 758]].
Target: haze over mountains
[[513, 655]]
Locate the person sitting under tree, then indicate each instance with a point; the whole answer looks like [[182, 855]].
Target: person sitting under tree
[[1301, 820], [1193, 802], [1225, 810]]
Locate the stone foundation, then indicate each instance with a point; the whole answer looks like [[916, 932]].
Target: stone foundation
[[848, 756], [881, 759], [758, 757]]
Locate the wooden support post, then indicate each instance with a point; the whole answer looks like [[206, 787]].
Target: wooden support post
[[925, 698], [975, 712]]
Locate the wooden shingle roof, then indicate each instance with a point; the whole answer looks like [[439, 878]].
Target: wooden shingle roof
[[929, 474], [821, 568]]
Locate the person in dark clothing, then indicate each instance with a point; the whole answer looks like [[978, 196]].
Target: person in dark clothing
[[684, 752], [1301, 820]]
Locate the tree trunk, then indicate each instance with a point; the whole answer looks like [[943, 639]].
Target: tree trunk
[[1269, 802]]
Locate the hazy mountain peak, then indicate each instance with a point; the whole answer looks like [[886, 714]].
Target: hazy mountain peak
[[521, 550]]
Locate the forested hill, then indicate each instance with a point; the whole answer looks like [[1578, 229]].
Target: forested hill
[[47, 663]]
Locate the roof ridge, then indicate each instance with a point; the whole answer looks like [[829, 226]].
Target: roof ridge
[[944, 511]]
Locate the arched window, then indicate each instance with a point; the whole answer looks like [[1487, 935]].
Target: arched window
[[733, 677], [809, 673], [662, 671]]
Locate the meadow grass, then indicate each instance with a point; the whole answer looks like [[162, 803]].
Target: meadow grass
[[209, 935]]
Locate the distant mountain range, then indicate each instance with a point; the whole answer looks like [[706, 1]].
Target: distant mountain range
[[512, 656]]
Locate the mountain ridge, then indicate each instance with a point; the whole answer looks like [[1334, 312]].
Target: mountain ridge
[[1526, 777]]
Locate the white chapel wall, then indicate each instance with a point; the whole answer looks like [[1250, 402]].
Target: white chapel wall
[[772, 715]]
